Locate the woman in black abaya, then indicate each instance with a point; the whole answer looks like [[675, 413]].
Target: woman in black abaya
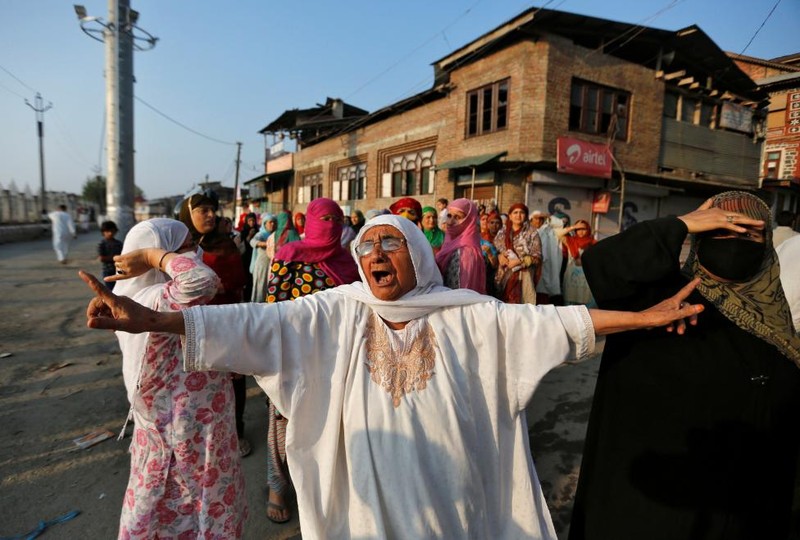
[[693, 436]]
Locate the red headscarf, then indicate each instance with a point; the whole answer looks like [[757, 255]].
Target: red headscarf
[[510, 229], [322, 244], [466, 236], [575, 243], [407, 202], [299, 228], [489, 217]]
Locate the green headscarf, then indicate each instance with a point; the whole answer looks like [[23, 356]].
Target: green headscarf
[[285, 231], [435, 236]]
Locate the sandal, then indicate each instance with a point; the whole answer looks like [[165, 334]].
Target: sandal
[[244, 447], [279, 508]]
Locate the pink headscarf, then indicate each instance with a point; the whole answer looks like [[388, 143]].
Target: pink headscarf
[[466, 236], [322, 244]]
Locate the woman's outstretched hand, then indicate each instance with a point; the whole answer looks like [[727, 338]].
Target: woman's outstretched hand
[[674, 313], [111, 312]]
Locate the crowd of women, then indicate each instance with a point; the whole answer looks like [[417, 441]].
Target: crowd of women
[[185, 472]]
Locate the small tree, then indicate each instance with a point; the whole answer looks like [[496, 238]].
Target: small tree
[[94, 190]]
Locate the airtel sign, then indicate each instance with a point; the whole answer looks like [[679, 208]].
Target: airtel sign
[[585, 158]]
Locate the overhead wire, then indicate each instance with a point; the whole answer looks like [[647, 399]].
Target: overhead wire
[[6, 88], [69, 141], [635, 30], [20, 81], [184, 126], [761, 27], [356, 123]]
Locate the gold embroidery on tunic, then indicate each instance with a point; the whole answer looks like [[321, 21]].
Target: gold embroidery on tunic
[[399, 374]]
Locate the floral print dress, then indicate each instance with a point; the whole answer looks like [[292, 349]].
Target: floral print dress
[[186, 480]]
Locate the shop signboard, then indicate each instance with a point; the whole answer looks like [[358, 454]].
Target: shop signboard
[[583, 158]]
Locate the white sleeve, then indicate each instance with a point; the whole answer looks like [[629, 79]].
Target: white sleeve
[[539, 338], [284, 345]]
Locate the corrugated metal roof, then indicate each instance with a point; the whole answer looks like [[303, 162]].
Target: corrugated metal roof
[[473, 161]]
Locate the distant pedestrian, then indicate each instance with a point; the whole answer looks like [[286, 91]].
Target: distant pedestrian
[[409, 208], [107, 248], [520, 253], [461, 259], [63, 232]]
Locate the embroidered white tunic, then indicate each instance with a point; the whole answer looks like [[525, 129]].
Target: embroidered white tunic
[[443, 455]]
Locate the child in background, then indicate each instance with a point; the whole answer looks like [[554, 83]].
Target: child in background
[[107, 248]]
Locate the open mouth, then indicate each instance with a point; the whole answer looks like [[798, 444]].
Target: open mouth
[[381, 277]]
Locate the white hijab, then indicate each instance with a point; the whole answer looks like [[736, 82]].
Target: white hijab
[[161, 233], [429, 294]]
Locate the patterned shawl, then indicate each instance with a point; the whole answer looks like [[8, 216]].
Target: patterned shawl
[[758, 305]]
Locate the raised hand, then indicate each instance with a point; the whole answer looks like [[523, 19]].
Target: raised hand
[[111, 312], [706, 218], [134, 263]]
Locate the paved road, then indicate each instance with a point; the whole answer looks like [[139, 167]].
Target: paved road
[[63, 381]]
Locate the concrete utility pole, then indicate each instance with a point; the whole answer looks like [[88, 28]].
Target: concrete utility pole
[[236, 185], [119, 36], [40, 110]]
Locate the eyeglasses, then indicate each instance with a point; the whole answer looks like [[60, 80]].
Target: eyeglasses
[[388, 244]]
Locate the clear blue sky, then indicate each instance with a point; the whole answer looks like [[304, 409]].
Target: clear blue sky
[[228, 68]]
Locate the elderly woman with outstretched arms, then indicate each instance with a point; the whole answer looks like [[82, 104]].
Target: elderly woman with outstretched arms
[[406, 399]]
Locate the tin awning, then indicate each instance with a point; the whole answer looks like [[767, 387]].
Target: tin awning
[[473, 161]]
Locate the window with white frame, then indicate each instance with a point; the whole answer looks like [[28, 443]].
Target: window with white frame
[[409, 174], [487, 109], [310, 188], [772, 164], [598, 109], [350, 183]]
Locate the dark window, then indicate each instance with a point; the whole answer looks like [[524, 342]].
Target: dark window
[[688, 108], [599, 110], [671, 105], [311, 188], [357, 184], [771, 164], [487, 109], [411, 174], [708, 116]]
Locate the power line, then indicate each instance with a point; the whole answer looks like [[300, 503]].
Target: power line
[[410, 53], [4, 87], [760, 27], [18, 79], [184, 126], [634, 30]]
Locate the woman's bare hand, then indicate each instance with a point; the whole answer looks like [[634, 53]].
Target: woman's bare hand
[[707, 218], [111, 312], [674, 313], [133, 264]]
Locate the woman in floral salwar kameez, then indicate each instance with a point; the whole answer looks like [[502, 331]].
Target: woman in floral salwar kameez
[[185, 479]]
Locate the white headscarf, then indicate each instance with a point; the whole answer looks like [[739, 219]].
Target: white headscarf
[[429, 293], [161, 233]]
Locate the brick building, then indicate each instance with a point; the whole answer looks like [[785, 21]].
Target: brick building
[[780, 162], [597, 119]]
